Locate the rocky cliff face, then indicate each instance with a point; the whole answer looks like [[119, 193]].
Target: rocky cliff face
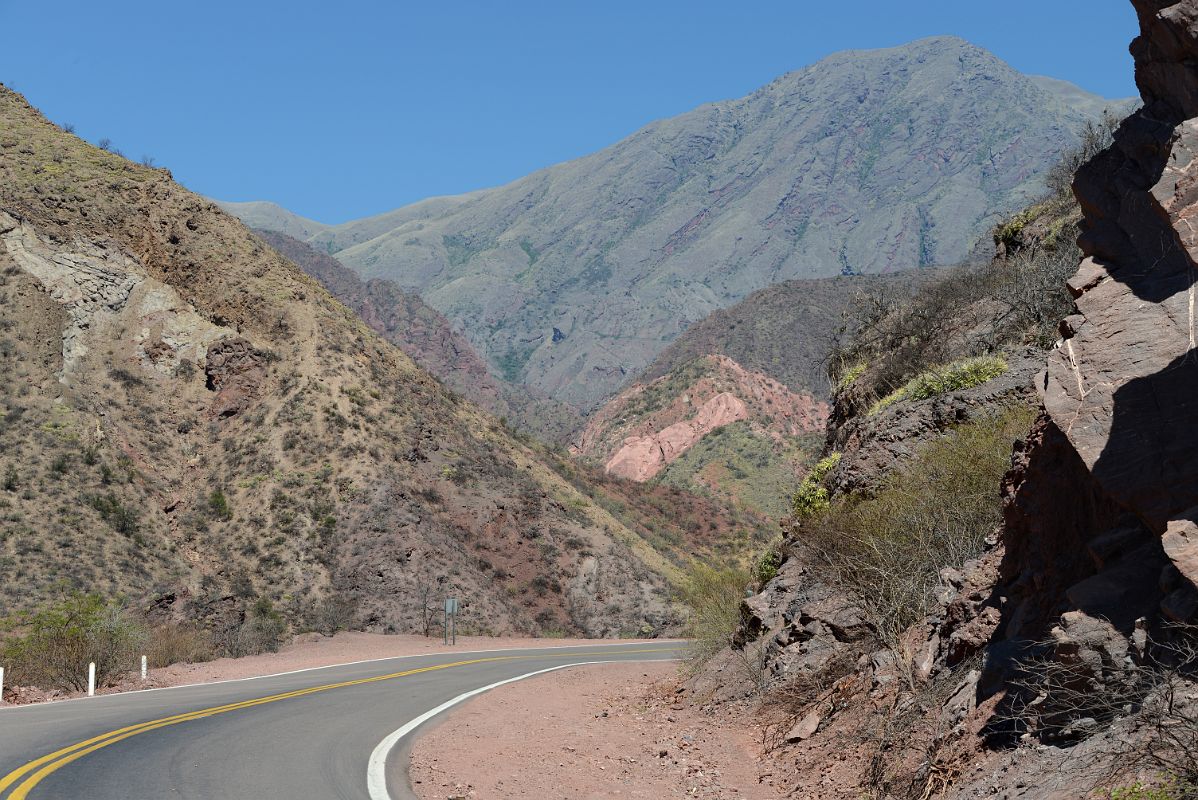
[[1119, 392]]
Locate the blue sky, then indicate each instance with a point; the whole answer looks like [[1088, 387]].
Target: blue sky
[[340, 110]]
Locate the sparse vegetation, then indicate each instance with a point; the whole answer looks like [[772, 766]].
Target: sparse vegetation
[[218, 505], [812, 496], [713, 595], [121, 518], [1096, 136], [964, 374], [60, 639], [888, 548]]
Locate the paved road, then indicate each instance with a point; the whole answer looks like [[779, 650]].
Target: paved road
[[303, 736]]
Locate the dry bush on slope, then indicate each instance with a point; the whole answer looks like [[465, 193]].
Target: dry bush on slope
[[889, 548], [62, 638], [1066, 698], [713, 595]]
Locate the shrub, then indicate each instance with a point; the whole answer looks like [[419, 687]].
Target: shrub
[[766, 568], [1096, 136], [850, 374], [811, 496], [713, 595], [890, 547], [218, 505], [62, 638], [121, 518], [174, 643], [964, 374], [261, 631]]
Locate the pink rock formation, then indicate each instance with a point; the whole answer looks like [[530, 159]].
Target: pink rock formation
[[642, 457]]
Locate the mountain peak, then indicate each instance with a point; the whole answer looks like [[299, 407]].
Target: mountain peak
[[866, 162]]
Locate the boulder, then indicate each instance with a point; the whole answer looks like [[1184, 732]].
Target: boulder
[[805, 728], [1180, 544]]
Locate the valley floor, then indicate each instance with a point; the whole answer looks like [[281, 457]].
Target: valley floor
[[603, 731]]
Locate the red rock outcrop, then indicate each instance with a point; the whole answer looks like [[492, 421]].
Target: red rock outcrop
[[642, 457], [235, 370], [648, 426], [1113, 466]]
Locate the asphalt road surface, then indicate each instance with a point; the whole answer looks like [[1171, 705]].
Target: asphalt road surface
[[332, 732]]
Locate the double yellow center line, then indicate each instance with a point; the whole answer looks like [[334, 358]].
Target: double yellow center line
[[35, 771]]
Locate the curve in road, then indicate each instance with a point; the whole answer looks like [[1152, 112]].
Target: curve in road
[[329, 732]]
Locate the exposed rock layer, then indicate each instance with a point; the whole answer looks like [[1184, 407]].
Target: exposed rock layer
[[1115, 464]]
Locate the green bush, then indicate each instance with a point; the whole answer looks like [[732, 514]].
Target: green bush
[[849, 375], [121, 518], [766, 568], [889, 548], [218, 505], [812, 496], [59, 640], [964, 374], [713, 595]]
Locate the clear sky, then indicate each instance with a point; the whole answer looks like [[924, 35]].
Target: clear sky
[[343, 109]]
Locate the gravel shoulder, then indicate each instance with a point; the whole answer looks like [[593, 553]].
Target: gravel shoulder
[[602, 731]]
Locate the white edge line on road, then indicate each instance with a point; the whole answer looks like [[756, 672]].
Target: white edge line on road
[[376, 770], [10, 708]]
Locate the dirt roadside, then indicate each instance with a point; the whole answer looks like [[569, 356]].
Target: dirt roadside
[[602, 731]]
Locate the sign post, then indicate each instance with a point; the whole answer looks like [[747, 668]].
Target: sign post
[[451, 616]]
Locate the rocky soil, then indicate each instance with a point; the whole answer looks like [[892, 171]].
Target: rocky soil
[[605, 731]]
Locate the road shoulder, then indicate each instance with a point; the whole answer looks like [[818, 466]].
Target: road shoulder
[[608, 730]]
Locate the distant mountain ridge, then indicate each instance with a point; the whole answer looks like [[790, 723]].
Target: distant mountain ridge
[[577, 276], [428, 337]]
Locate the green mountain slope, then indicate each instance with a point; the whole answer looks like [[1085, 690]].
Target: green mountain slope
[[577, 276]]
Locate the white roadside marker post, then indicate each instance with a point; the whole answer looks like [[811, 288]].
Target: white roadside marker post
[[1, 685], [143, 669], [91, 679]]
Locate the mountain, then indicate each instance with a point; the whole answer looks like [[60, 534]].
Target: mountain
[[574, 278], [735, 406], [273, 217], [191, 422], [428, 337]]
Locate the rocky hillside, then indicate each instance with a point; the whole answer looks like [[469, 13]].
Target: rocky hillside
[[576, 277], [424, 334], [710, 425], [786, 331], [977, 622], [191, 421]]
